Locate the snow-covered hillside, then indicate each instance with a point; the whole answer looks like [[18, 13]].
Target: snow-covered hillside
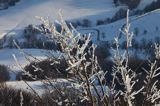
[[148, 23], [25, 11], [19, 16]]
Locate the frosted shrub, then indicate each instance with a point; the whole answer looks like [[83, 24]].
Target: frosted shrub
[[82, 63], [89, 79], [128, 78], [45, 68]]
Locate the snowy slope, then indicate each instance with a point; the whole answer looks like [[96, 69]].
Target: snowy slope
[[40, 87], [17, 17], [25, 11], [149, 22], [6, 56]]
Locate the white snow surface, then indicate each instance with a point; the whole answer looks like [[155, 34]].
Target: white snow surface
[[6, 56], [40, 87]]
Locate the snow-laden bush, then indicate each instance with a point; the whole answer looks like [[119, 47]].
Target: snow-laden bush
[[48, 68], [89, 78]]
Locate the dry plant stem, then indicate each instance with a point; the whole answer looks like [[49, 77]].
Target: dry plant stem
[[127, 35], [150, 85], [122, 66], [54, 87], [31, 56], [18, 64], [22, 51], [88, 88], [43, 74]]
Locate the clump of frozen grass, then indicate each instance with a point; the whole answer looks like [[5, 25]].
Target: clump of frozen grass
[[152, 93], [127, 75], [129, 79]]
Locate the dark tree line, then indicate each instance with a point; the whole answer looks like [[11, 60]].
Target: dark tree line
[[131, 3], [4, 4], [154, 5]]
